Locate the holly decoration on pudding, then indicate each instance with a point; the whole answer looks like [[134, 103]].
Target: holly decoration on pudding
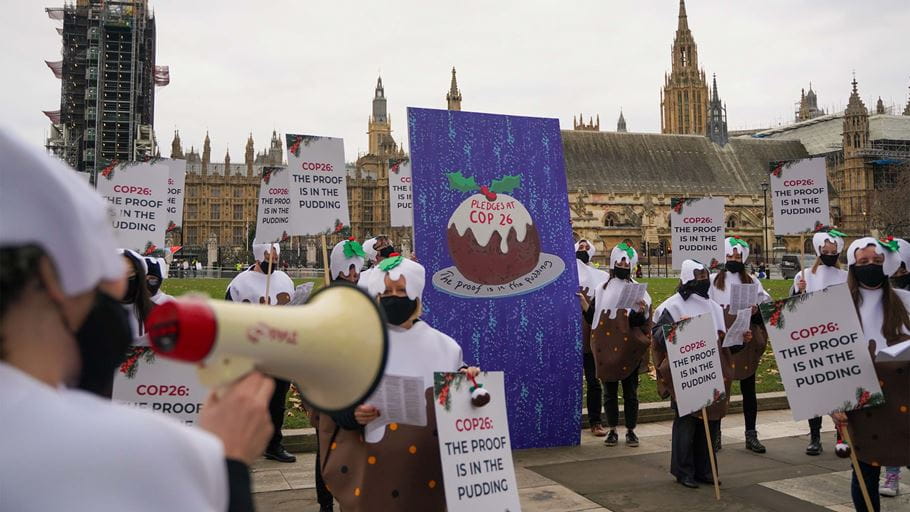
[[492, 238]]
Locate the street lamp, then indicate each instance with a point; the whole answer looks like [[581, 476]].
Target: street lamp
[[764, 190]]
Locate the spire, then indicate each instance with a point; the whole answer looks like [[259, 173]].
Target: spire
[[714, 95], [176, 147], [683, 19], [907, 108], [856, 123], [879, 106], [250, 154], [380, 114], [855, 105], [453, 98], [717, 117], [621, 124], [206, 150], [380, 91], [227, 159]]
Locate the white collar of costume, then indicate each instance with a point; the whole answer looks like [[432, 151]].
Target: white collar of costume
[[607, 295], [340, 264], [742, 249], [44, 202], [819, 239], [823, 277], [261, 250], [413, 272], [591, 250], [696, 305], [249, 286], [892, 258], [872, 314]]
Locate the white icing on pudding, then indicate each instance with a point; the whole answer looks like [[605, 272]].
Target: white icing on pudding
[[485, 217]]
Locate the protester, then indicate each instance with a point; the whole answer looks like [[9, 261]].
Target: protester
[[250, 286], [689, 457], [589, 279], [61, 324], [157, 270], [393, 467], [881, 434], [616, 359], [136, 300], [825, 272], [375, 250], [186, 268], [744, 363], [346, 260]]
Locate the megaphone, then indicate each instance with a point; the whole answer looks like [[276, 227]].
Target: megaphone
[[334, 348]]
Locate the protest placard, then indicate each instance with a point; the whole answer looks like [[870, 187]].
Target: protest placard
[[692, 350], [175, 188], [137, 193], [474, 444], [799, 196], [697, 230], [401, 207], [160, 385], [318, 185], [821, 353]]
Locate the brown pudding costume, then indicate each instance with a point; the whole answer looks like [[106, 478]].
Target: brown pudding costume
[[392, 467]]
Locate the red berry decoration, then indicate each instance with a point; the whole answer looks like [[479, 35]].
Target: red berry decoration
[[485, 190]]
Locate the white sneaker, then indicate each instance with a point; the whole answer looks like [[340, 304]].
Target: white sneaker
[[891, 487]]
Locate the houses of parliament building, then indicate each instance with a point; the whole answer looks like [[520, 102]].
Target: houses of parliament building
[[620, 182]]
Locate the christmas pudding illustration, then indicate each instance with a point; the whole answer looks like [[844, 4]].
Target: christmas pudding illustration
[[491, 236], [493, 242]]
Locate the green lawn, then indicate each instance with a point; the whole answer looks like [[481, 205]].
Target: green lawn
[[767, 378]]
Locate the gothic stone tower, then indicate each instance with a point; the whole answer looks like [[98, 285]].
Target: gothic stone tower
[[453, 97], [684, 100], [857, 176]]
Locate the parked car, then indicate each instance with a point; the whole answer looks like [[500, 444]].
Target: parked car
[[790, 264]]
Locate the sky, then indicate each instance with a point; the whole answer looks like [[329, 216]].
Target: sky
[[240, 67]]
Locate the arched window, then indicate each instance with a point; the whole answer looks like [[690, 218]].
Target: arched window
[[610, 220], [731, 222], [855, 140]]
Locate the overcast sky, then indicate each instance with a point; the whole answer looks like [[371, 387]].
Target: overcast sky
[[311, 67]]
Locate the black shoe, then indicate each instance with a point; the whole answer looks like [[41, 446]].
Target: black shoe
[[326, 508], [687, 482], [752, 442], [612, 438], [815, 444], [717, 445], [707, 481], [280, 454], [631, 439]]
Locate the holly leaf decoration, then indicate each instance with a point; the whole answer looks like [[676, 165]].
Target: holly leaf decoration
[[353, 248], [506, 185], [390, 263], [459, 182]]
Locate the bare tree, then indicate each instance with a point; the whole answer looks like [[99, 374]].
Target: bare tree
[[891, 203]]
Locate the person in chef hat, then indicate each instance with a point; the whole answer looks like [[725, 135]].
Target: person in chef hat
[[62, 324], [589, 278]]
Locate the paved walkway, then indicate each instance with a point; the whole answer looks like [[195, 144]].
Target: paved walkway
[[592, 477]]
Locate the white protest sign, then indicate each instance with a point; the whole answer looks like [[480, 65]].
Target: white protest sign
[[318, 183], [159, 384], [137, 195], [176, 184], [799, 196], [698, 379], [401, 208], [821, 353], [697, 230], [474, 444], [274, 217]]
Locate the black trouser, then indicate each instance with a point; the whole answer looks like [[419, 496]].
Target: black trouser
[[276, 409], [870, 475], [629, 400], [815, 427], [750, 401], [595, 394], [323, 496], [689, 452]]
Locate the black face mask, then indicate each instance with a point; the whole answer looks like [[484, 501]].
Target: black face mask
[[870, 275], [103, 340], [828, 259], [582, 256], [901, 282], [696, 286], [386, 251], [264, 266], [734, 266], [153, 284], [621, 273], [132, 291], [398, 309]]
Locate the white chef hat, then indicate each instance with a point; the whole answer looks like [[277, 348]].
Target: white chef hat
[[591, 250], [260, 250], [622, 251], [687, 271], [369, 250], [133, 255], [44, 203], [345, 254], [736, 242], [884, 247], [903, 251], [819, 239], [395, 267]]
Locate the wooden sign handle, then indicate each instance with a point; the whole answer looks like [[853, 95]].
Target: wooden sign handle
[[704, 417]]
